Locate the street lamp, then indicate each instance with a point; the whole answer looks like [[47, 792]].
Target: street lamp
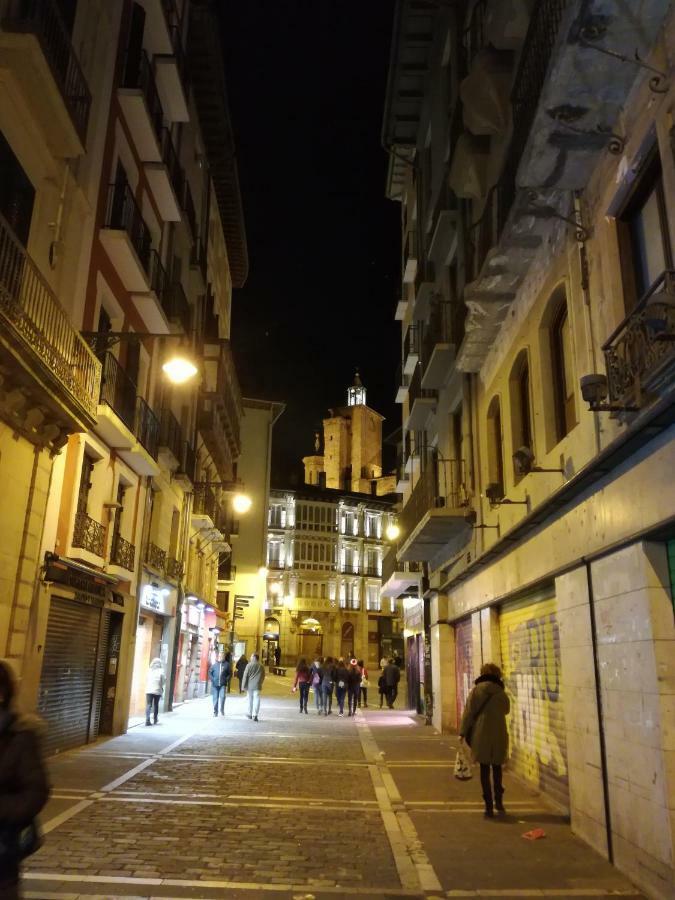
[[393, 531], [263, 571], [241, 503], [179, 366]]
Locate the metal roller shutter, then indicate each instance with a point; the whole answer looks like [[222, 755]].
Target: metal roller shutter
[[530, 648], [68, 671], [463, 663], [99, 674]]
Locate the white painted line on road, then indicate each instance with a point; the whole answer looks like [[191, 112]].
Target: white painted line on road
[[543, 892], [176, 743], [413, 865], [145, 764], [323, 805], [64, 816]]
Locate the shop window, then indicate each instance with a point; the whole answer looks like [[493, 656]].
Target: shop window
[[521, 415], [644, 237], [495, 445]]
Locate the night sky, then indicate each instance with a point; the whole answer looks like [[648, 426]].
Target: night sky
[[306, 83]]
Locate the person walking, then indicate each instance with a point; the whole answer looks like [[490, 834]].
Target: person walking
[[383, 663], [220, 674], [252, 682], [302, 680], [353, 686], [365, 684], [239, 668], [341, 684], [24, 787], [392, 676], [316, 676], [382, 688], [483, 728], [154, 688], [327, 682]]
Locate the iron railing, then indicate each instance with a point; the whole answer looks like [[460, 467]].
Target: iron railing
[[170, 434], [172, 163], [146, 427], [176, 305], [174, 569], [122, 553], [221, 410], [155, 556], [640, 353], [43, 19], [205, 502], [139, 75], [276, 564], [29, 308], [118, 391], [411, 341], [372, 571], [416, 391], [188, 207], [123, 213], [226, 571], [157, 276], [437, 329], [89, 534], [391, 564], [188, 461], [440, 484], [349, 568]]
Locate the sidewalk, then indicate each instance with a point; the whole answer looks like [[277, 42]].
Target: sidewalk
[[296, 806]]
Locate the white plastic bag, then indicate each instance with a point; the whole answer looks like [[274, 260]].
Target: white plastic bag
[[462, 765]]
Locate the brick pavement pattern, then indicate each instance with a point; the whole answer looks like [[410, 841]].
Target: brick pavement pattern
[[296, 807]]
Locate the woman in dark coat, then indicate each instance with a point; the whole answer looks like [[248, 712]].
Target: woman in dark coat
[[240, 668], [23, 780], [302, 682], [483, 727]]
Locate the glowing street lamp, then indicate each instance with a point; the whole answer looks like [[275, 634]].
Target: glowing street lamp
[[393, 532], [275, 588], [241, 503], [179, 368], [263, 571]]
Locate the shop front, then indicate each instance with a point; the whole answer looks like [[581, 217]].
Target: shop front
[[154, 638], [413, 631], [188, 684], [271, 632]]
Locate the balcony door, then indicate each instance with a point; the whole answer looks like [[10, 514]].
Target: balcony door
[[17, 194]]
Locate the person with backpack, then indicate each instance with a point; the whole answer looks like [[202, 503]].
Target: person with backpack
[[483, 728], [353, 686], [302, 681], [327, 682], [341, 685], [365, 684], [316, 677]]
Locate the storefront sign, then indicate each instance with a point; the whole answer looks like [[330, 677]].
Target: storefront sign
[[157, 599]]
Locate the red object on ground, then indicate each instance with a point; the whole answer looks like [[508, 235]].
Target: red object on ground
[[535, 834]]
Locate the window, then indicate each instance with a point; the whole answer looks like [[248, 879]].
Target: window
[[495, 448], [373, 525], [373, 603], [644, 240], [323, 591], [562, 370], [521, 416], [17, 194], [85, 484]]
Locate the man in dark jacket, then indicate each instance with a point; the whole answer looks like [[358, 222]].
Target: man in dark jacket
[[392, 676], [240, 668], [220, 673]]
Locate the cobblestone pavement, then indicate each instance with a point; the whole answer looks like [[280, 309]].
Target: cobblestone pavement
[[295, 807]]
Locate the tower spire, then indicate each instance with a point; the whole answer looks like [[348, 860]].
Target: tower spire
[[356, 394]]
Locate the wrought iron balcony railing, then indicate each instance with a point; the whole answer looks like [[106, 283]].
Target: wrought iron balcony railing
[[440, 485], [276, 564], [146, 427], [411, 341], [176, 305], [391, 564], [372, 571], [640, 353], [29, 308], [124, 214], [139, 74], [174, 569], [89, 534], [188, 207], [43, 19], [157, 275], [172, 163], [170, 434], [188, 464], [155, 557], [118, 391], [122, 553], [349, 568], [205, 502]]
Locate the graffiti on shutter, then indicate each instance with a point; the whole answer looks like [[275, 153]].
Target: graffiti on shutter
[[463, 663], [530, 648]]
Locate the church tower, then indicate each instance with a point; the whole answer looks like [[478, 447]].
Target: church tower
[[352, 448]]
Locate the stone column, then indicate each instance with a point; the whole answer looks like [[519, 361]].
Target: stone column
[[443, 666]]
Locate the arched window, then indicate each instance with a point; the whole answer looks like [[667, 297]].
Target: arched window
[[521, 408], [562, 367], [495, 448]]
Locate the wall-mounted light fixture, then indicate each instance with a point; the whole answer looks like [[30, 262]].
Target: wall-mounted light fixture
[[523, 463], [494, 493], [594, 390]]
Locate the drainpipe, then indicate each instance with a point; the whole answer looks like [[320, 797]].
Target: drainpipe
[[598, 702]]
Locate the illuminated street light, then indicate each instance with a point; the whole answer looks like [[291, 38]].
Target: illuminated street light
[[179, 368], [393, 531], [241, 503], [263, 571], [275, 587]]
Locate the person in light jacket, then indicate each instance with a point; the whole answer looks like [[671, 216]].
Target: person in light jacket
[[483, 727], [24, 787], [220, 674], [252, 682], [154, 688]]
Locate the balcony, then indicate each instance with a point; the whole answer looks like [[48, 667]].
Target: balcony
[[155, 557], [174, 569], [176, 307], [401, 309], [52, 360], [349, 569], [163, 33], [402, 385], [122, 553], [220, 412], [371, 571], [187, 467], [410, 257], [411, 349], [438, 351], [276, 564], [151, 305], [126, 238], [141, 106], [421, 404], [167, 180], [170, 441], [400, 579], [88, 534], [226, 571], [640, 353], [188, 206], [424, 288], [205, 507], [434, 520], [125, 421], [35, 47]]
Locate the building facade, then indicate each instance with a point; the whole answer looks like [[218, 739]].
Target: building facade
[[531, 151], [123, 239]]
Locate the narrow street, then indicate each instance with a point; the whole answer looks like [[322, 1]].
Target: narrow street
[[297, 806]]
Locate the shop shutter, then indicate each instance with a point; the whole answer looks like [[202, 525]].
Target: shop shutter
[[530, 648], [99, 673], [68, 671], [463, 663]]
